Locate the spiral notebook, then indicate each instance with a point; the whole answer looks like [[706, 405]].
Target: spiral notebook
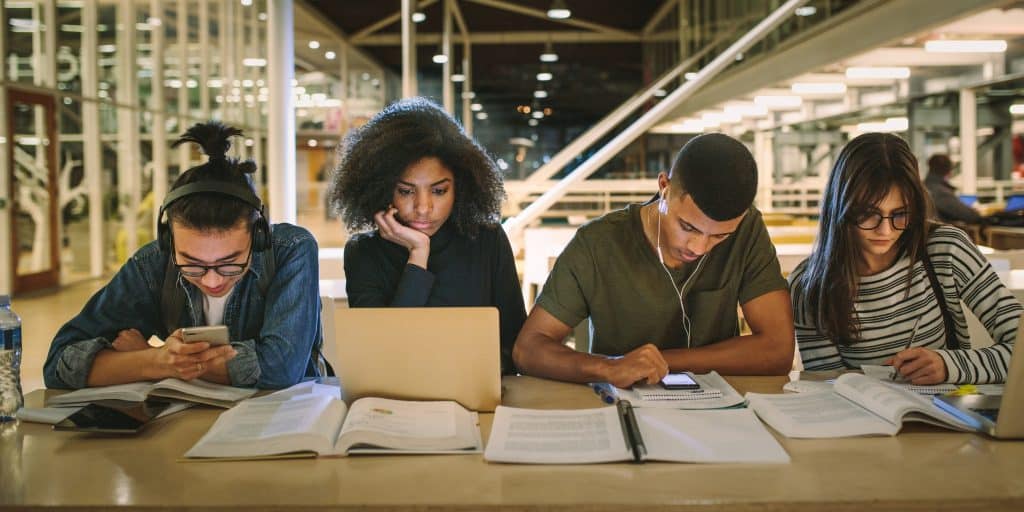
[[714, 393], [884, 374], [655, 392]]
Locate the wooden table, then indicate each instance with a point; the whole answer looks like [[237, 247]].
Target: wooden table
[[922, 469]]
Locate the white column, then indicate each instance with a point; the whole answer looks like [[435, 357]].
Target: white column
[[281, 129], [224, 57], [467, 87], [50, 68], [6, 267], [128, 169], [343, 85], [204, 62], [409, 87], [158, 106], [446, 49], [92, 159], [765, 169], [184, 150], [968, 142]]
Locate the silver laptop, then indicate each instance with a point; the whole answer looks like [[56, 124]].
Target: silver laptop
[[419, 354], [998, 416]]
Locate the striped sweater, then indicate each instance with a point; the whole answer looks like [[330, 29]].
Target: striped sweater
[[887, 312]]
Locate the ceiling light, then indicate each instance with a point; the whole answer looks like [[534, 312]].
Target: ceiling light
[[549, 54], [559, 11], [263, 16], [154, 21], [544, 76], [249, 143], [966, 46], [107, 48], [468, 95], [770, 101], [476, 107], [537, 114], [895, 72], [533, 122], [314, 44], [690, 76], [818, 88], [660, 93], [1017, 109], [418, 17], [247, 3], [329, 55], [807, 10], [311, 143], [540, 93], [254, 62], [439, 58], [481, 115], [458, 77]]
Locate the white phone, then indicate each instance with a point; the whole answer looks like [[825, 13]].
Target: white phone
[[213, 334]]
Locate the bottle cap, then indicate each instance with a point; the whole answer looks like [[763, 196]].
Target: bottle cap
[[5, 300]]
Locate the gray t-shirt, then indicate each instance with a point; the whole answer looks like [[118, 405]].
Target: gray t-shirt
[[610, 273]]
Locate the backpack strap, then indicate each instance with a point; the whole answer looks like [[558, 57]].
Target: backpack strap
[[172, 298], [947, 318]]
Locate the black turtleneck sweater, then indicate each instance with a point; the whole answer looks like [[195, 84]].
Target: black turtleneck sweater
[[460, 272]]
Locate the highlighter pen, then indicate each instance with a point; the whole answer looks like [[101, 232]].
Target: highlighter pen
[[606, 391]]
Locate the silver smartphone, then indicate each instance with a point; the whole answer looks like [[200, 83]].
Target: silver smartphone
[[213, 334]]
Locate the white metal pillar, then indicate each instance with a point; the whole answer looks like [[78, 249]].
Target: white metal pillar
[[765, 168], [281, 130], [158, 107], [447, 93], [968, 142], [184, 150], [467, 88], [6, 199], [409, 87], [204, 62], [128, 169], [91, 152]]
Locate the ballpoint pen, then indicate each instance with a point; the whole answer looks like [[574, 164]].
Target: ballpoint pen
[[606, 391], [913, 333]]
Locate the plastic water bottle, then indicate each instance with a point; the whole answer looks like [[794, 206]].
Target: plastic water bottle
[[10, 361]]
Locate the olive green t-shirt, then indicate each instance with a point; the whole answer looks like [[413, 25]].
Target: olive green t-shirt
[[610, 273]]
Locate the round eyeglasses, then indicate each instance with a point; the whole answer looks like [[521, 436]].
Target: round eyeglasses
[[870, 221]]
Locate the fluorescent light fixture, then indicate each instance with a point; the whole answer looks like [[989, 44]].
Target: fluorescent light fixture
[[468, 95], [544, 76], [746, 110], [314, 44], [559, 11], [173, 83], [191, 84], [476, 107], [154, 21], [818, 88], [458, 77], [773, 101], [247, 3], [540, 93], [329, 55], [690, 76], [549, 57], [247, 83], [249, 143], [262, 16], [893, 72], [1017, 109], [107, 48], [533, 122], [481, 115], [72, 28], [254, 62], [660, 93], [537, 114], [966, 46], [440, 58], [418, 17], [807, 10]]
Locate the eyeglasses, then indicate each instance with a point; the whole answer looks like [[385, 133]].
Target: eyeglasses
[[224, 270], [869, 221]]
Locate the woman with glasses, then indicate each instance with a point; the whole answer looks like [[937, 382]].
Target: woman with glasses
[[885, 286], [217, 261]]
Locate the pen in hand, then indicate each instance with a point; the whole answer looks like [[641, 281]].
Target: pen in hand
[[913, 333]]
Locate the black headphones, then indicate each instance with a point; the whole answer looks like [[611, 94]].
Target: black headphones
[[260, 226]]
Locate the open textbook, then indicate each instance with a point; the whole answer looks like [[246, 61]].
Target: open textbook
[[198, 391], [857, 406], [608, 434], [306, 421]]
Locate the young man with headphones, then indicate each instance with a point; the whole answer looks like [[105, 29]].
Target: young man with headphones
[[217, 261], [660, 282]]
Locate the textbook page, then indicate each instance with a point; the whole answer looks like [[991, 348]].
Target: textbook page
[[257, 428], [197, 390], [733, 435], [893, 403], [380, 425], [133, 392], [818, 415], [536, 436]]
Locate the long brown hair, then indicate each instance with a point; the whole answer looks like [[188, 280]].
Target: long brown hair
[[865, 171]]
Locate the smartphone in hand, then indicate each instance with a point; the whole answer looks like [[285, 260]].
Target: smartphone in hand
[[215, 335]]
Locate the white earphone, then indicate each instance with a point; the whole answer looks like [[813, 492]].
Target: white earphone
[[662, 210]]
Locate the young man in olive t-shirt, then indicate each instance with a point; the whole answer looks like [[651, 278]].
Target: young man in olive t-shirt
[[661, 281]]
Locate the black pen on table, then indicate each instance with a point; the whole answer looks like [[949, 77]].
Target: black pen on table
[[913, 333], [632, 430]]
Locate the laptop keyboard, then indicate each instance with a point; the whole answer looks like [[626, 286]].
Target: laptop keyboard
[[991, 414]]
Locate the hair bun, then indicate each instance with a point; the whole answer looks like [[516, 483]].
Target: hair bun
[[212, 136]]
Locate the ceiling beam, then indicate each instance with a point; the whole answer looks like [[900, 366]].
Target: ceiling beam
[[516, 37], [388, 20], [537, 13], [659, 15]]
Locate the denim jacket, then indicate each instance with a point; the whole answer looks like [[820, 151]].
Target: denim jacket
[[276, 334]]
